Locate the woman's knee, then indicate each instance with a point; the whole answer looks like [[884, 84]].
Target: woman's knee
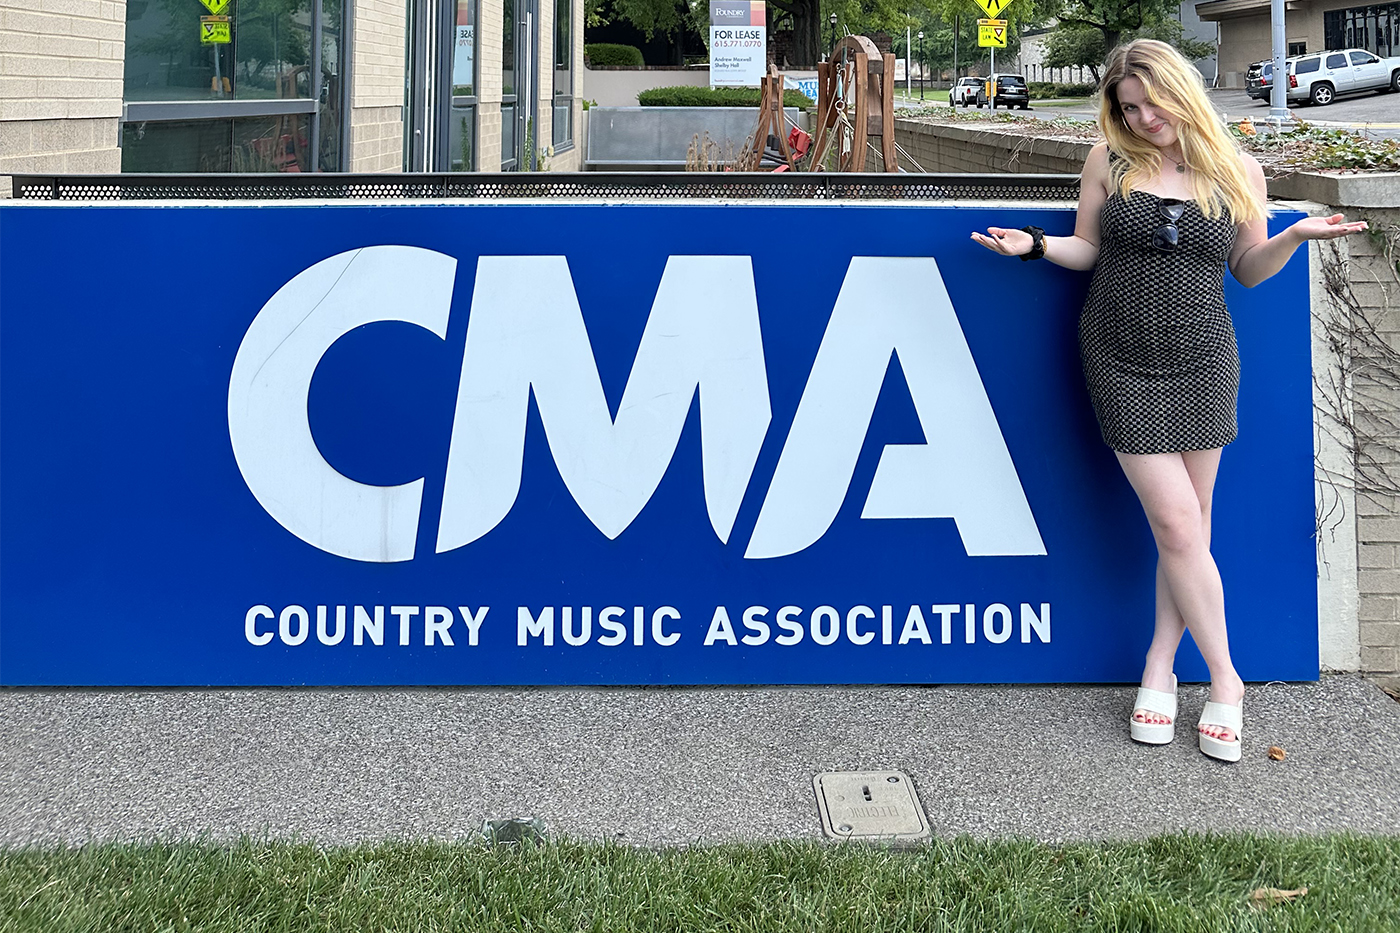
[[1178, 529]]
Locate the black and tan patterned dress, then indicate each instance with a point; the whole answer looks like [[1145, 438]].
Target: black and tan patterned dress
[[1155, 337]]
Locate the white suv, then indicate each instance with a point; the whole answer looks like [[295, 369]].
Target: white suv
[[1321, 76]]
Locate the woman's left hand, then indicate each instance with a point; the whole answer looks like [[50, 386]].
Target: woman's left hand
[[1327, 228]]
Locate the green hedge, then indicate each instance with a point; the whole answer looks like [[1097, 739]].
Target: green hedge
[[606, 54], [1045, 90], [715, 97]]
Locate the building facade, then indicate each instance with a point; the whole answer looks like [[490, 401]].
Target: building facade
[[1309, 26], [289, 85]]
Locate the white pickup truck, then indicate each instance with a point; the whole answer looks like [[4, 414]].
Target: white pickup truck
[[1320, 76]]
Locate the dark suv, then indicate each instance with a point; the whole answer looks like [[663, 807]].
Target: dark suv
[[1259, 80], [1010, 90]]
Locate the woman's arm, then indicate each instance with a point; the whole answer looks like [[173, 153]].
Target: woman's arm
[[1257, 256], [1079, 251]]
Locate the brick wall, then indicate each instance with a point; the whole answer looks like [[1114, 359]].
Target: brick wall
[[60, 85], [941, 147], [376, 86], [1374, 287], [488, 125], [376, 139]]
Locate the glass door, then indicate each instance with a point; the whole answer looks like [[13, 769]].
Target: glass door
[[519, 77]]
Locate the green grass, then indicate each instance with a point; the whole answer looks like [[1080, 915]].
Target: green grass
[[1186, 883]]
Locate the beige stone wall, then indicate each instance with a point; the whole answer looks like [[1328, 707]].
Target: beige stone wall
[[1374, 291], [378, 62], [60, 85], [488, 122], [949, 148], [376, 140]]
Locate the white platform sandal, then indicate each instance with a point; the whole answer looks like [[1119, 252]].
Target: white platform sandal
[[1227, 717], [1154, 701]]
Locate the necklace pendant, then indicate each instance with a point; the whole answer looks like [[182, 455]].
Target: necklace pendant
[[1180, 169]]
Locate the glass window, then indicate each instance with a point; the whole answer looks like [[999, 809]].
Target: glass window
[[464, 51], [1297, 48], [461, 139], [563, 73], [507, 136], [1374, 28], [249, 144], [1336, 61], [268, 54], [508, 49], [1307, 65], [333, 87]]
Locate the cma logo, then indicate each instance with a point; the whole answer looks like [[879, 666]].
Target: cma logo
[[526, 334]]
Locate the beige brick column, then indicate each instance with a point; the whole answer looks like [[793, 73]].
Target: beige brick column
[[378, 66], [60, 86], [488, 122]]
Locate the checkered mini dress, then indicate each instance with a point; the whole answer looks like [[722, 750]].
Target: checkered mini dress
[[1155, 337]]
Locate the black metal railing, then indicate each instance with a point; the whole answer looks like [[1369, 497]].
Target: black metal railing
[[552, 185]]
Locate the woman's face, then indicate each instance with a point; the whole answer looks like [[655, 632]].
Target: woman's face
[[1144, 119]]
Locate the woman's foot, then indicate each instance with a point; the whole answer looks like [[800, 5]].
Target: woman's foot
[[1227, 694], [1153, 721], [1221, 721], [1158, 681]]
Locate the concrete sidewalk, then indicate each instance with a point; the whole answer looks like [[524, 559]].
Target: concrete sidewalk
[[673, 765]]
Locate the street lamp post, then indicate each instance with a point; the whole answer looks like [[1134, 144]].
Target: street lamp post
[[831, 46], [921, 64]]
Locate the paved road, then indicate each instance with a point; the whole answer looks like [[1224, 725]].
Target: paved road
[[673, 766]]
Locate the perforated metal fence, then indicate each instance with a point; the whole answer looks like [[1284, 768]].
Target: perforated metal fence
[[548, 185]]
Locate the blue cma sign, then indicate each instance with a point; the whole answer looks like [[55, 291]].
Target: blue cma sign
[[648, 449]]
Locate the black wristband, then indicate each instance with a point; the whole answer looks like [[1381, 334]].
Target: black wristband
[[1037, 244]]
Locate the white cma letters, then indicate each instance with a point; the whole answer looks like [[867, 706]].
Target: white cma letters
[[964, 472], [271, 379], [526, 332], [526, 335]]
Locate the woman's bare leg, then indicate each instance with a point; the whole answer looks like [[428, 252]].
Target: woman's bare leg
[[1201, 466], [1175, 492]]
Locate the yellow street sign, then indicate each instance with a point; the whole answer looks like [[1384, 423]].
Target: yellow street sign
[[991, 33], [993, 7], [216, 6], [214, 30]]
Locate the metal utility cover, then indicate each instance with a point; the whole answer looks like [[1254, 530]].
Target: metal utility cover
[[869, 805]]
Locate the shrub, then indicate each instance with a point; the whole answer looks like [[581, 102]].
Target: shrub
[[715, 97], [608, 54], [1046, 90]]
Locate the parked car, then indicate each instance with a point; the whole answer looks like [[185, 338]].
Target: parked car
[[1259, 80], [1007, 89], [1319, 77], [964, 92]]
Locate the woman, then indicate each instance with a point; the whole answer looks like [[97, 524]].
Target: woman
[[1164, 205]]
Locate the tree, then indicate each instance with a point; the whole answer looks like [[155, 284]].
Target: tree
[[1075, 46], [1084, 46], [1113, 18]]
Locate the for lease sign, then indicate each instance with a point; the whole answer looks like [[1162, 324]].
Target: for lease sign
[[738, 42]]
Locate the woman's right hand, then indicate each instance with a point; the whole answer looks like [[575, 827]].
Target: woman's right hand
[[1006, 242]]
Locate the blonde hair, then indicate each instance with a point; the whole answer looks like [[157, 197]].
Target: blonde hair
[[1219, 183]]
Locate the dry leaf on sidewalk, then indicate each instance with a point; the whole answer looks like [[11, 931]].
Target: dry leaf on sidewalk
[[1277, 753], [1267, 897]]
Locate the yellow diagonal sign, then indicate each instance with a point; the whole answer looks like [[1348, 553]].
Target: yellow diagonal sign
[[993, 7], [216, 6], [991, 33]]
